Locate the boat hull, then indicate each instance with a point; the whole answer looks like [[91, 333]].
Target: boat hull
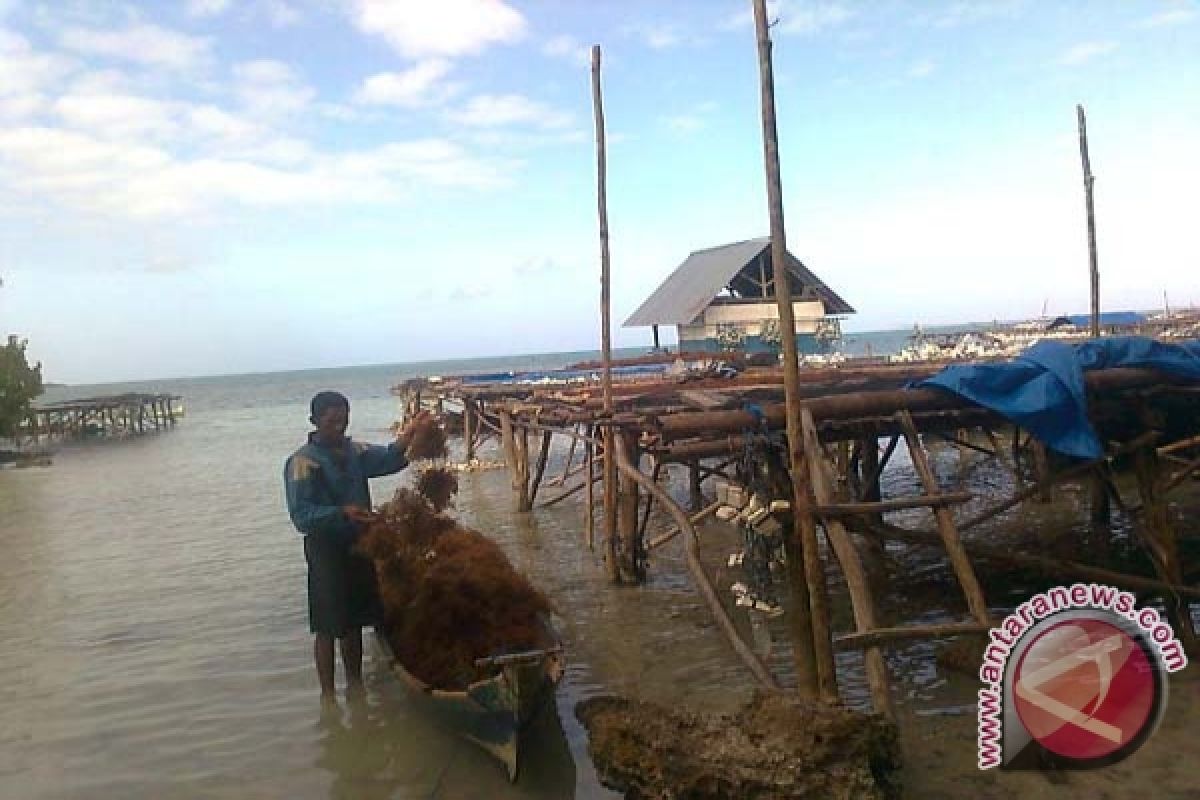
[[493, 712]]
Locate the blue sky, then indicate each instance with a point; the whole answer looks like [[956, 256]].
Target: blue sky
[[216, 186]]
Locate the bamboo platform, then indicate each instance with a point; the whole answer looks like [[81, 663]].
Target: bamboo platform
[[853, 421], [112, 416]]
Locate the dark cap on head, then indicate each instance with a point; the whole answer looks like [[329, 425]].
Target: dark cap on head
[[323, 401]]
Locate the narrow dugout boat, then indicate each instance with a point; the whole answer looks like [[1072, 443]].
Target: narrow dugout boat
[[494, 711]]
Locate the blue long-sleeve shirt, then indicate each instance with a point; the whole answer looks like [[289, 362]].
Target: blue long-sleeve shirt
[[319, 484]]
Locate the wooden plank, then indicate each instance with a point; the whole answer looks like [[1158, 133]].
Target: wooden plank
[[852, 568], [945, 522], [879, 506]]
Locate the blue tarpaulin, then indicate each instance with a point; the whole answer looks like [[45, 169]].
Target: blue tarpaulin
[[1042, 390]]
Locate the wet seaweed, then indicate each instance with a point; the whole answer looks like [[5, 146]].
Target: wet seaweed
[[438, 485], [449, 594], [427, 439]]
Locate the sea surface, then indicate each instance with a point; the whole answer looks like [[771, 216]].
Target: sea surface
[[155, 640]]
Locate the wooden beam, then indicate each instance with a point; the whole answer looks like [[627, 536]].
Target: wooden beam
[[945, 522], [610, 469], [809, 620], [1088, 181], [896, 504], [857, 583]]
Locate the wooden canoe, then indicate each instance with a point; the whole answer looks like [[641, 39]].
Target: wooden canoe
[[492, 712]]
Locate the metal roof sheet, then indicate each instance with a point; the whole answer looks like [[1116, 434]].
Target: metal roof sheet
[[691, 287]]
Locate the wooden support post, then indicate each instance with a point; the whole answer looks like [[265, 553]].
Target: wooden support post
[[1088, 181], [654, 476], [469, 426], [610, 466], [566, 473], [1157, 527], [856, 576], [543, 455], [1099, 506], [945, 522], [1041, 471], [631, 548], [695, 493], [522, 442], [809, 617], [589, 509]]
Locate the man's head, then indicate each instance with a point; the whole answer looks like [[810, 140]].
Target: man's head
[[330, 414]]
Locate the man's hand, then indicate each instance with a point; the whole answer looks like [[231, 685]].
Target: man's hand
[[358, 514], [405, 435]]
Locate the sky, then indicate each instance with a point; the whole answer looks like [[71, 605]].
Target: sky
[[205, 187]]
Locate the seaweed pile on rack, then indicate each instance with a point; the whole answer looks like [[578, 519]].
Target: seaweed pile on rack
[[450, 595]]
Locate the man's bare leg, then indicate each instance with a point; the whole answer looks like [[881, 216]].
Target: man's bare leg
[[352, 660], [323, 655]]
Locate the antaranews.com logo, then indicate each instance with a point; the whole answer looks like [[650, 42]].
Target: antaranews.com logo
[[1074, 677]]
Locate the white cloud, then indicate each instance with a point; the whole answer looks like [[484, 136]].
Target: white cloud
[[419, 29], [210, 121], [1163, 19], [416, 86], [281, 14], [805, 18], [1084, 52], [206, 8], [140, 43], [569, 48], [492, 110], [114, 116], [137, 182], [969, 12], [268, 88], [692, 120], [922, 69], [657, 36], [27, 73]]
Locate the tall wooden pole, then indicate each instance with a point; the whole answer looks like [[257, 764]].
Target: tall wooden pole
[[809, 619], [610, 465], [1088, 180]]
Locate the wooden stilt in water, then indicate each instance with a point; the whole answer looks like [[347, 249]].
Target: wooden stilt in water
[[610, 466], [945, 522], [856, 576], [1156, 522], [540, 470], [809, 620], [631, 547], [589, 509], [469, 426], [695, 493], [522, 442]]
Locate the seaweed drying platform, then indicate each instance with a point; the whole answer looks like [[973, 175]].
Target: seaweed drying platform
[[726, 430]]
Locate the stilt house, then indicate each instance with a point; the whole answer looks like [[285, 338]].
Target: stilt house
[[723, 299]]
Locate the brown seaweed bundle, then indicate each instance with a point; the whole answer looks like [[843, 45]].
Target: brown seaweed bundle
[[449, 593], [438, 485], [426, 440]]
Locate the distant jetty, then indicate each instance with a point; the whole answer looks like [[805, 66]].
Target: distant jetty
[[119, 415]]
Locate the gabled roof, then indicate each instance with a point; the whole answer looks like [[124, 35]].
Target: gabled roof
[[694, 283]]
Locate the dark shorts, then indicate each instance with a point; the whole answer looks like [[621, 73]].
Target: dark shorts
[[342, 593]]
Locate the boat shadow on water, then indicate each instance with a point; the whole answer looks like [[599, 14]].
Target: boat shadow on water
[[388, 746]]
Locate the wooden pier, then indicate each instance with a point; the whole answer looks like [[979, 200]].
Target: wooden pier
[[730, 431], [112, 416]]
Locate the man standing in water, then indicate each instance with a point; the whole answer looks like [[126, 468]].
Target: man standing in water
[[329, 503]]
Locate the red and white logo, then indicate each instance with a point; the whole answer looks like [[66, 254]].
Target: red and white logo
[[1075, 677], [1084, 689]]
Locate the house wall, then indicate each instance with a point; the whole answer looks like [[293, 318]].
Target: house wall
[[702, 334], [806, 312], [806, 344]]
